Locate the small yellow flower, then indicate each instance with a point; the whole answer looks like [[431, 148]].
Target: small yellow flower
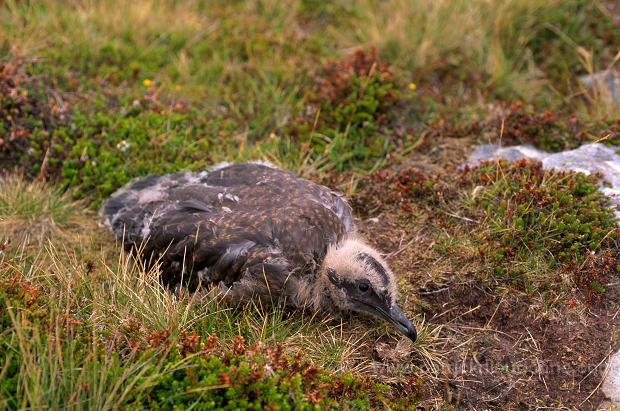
[[177, 87], [412, 86], [147, 83]]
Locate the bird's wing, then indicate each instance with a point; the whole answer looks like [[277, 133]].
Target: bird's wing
[[214, 246], [264, 186], [303, 218]]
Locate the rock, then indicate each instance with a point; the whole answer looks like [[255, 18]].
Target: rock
[[611, 385], [496, 152], [607, 81]]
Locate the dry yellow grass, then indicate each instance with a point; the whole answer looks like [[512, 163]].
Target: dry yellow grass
[[490, 34], [34, 212]]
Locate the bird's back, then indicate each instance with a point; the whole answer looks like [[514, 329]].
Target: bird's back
[[226, 221]]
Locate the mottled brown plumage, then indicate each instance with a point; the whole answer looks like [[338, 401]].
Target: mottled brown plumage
[[255, 231]]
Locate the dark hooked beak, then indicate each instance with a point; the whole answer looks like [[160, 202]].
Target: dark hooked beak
[[399, 320]]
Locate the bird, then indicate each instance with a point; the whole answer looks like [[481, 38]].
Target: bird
[[253, 230]]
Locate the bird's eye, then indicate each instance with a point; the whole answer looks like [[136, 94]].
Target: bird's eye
[[363, 287]]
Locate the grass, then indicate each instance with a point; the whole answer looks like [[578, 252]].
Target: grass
[[470, 38], [378, 98], [194, 92], [30, 210], [503, 45]]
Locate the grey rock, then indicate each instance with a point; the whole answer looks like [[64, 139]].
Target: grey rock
[[611, 384], [606, 80], [487, 152]]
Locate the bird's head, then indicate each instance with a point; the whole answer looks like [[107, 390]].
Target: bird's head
[[358, 280]]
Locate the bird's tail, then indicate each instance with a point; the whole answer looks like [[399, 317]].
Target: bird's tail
[[128, 211]]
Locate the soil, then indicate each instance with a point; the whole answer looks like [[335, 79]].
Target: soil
[[518, 360]]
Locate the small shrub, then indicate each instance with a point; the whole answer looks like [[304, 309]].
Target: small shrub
[[26, 112], [519, 124], [356, 90], [528, 214], [351, 103], [110, 149], [407, 188], [257, 377], [29, 300]]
